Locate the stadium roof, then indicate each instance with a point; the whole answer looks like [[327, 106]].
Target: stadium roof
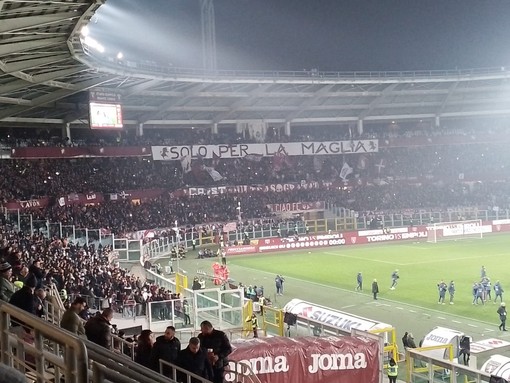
[[45, 69]]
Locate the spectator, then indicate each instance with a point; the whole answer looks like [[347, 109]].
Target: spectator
[[39, 302], [195, 360], [24, 298], [218, 349], [144, 348], [99, 330], [6, 287], [166, 348], [70, 319]]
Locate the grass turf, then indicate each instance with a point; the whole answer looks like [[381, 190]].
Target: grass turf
[[421, 266]]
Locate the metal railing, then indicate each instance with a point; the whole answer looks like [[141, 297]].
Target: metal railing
[[49, 354], [42, 345], [238, 372], [205, 75], [433, 369]]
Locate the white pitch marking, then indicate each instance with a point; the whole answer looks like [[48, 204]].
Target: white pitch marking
[[456, 321], [346, 307], [441, 318], [413, 311], [471, 325], [399, 308]]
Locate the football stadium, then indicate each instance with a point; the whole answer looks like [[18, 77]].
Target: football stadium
[[182, 202]]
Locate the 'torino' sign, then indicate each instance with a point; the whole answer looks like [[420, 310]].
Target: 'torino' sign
[[308, 359]]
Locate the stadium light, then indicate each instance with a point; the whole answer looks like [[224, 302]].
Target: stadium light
[[92, 43], [120, 56], [85, 31]]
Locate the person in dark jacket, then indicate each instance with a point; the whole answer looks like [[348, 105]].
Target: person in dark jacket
[[218, 349], [167, 347], [24, 297], [36, 270], [99, 330], [375, 289], [194, 359], [144, 348]]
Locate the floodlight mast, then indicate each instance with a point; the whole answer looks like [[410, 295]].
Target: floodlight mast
[[208, 34]]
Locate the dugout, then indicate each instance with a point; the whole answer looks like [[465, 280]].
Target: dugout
[[442, 336], [312, 319], [485, 349], [498, 365]]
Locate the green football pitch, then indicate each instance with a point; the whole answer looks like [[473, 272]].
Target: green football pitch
[[421, 267]]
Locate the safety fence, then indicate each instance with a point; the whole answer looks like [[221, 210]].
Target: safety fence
[[424, 368]]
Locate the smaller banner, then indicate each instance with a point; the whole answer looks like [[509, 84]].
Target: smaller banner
[[296, 207]]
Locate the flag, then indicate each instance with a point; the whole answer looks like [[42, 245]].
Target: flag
[[215, 175], [254, 157], [230, 226], [380, 166], [345, 171], [186, 164]]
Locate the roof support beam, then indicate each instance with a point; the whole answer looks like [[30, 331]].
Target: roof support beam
[[32, 63], [23, 46], [243, 102], [308, 102], [377, 101], [53, 96], [192, 92], [11, 25]]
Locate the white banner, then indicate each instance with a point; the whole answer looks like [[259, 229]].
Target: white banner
[[176, 152]]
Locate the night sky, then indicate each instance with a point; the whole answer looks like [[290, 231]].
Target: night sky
[[330, 35]]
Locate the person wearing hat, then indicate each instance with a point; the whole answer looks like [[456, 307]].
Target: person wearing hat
[[6, 287], [71, 320], [24, 297], [502, 316]]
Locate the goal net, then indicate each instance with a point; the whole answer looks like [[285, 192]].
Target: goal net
[[445, 231]]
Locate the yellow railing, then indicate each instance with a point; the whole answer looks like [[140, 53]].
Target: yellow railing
[[391, 347], [411, 368], [272, 319]]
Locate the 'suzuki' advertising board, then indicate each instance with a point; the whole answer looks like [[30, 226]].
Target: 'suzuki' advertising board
[[331, 318], [309, 359]]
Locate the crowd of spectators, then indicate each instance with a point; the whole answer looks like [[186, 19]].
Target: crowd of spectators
[[430, 176], [85, 271], [19, 137]]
